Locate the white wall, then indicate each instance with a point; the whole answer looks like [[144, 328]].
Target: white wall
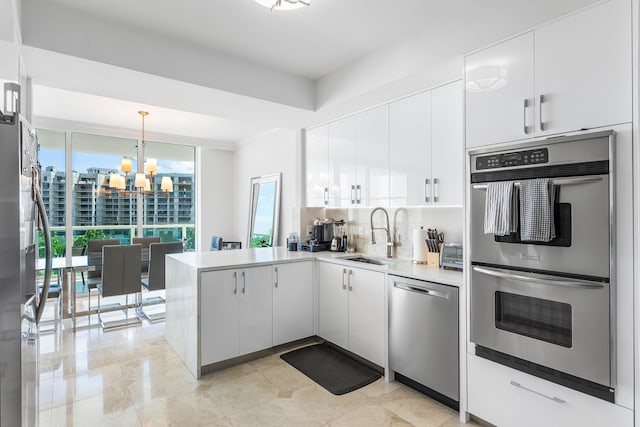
[[214, 199], [277, 151]]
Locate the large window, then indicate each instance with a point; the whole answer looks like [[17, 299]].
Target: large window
[[99, 211]]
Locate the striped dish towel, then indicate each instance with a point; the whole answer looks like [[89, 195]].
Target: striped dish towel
[[501, 209], [537, 198]]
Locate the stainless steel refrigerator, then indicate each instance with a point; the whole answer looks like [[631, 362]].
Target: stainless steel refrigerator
[[21, 300]]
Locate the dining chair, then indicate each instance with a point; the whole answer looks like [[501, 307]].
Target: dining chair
[[94, 258], [121, 268], [156, 278], [144, 243]]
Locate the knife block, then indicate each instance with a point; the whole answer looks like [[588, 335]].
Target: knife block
[[433, 258]]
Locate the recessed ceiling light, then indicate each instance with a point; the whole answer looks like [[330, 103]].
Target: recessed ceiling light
[[283, 4]]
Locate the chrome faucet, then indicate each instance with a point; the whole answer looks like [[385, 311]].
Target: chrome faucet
[[373, 234]]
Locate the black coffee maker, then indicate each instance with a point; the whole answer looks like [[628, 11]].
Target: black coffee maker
[[321, 237]]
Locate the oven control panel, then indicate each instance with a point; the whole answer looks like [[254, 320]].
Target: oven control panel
[[516, 158]]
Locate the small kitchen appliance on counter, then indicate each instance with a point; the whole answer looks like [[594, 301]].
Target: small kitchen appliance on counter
[[451, 256], [322, 236]]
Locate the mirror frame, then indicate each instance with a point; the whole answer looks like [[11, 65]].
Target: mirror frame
[[254, 194]]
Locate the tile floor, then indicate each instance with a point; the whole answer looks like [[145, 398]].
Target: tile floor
[[131, 377]]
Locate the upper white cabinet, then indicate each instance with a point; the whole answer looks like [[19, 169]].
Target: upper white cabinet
[[410, 153], [426, 150], [571, 74], [317, 166], [342, 162], [292, 301], [372, 154]]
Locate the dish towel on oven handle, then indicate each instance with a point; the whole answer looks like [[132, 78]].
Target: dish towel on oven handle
[[537, 198], [501, 208]]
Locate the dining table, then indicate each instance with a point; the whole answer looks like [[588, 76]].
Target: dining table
[[67, 268]]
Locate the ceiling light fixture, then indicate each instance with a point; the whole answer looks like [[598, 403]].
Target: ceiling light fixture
[[283, 4], [141, 182]]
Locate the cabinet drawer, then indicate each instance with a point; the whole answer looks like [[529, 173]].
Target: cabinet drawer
[[506, 397]]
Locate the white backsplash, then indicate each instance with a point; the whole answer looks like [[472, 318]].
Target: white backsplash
[[448, 220]]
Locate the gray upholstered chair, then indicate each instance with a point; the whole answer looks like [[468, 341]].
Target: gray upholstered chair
[[121, 268], [94, 258], [144, 243], [156, 278], [216, 243]]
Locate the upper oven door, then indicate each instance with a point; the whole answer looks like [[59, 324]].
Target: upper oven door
[[582, 228], [553, 321]]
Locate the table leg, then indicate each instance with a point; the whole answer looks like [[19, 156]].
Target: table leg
[[66, 311], [73, 295]]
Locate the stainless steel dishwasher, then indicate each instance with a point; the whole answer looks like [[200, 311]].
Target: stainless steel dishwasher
[[423, 337]]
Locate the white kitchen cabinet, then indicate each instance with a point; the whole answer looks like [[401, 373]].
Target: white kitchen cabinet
[[317, 166], [583, 69], [292, 301], [366, 314], [236, 313], [351, 309], [568, 75], [447, 154], [502, 111], [410, 153], [372, 155], [333, 304], [510, 398], [426, 156], [342, 162]]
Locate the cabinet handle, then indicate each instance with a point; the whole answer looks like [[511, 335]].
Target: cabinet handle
[[276, 279], [543, 126], [427, 192], [436, 190], [554, 398], [353, 194], [326, 195], [344, 272], [358, 194], [524, 116], [244, 283], [349, 280], [235, 280]]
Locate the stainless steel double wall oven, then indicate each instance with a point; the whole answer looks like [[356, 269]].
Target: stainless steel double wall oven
[[548, 308]]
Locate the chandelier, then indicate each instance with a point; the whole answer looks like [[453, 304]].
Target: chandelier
[[283, 4], [142, 181]]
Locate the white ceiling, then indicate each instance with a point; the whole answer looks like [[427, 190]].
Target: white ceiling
[[222, 71], [309, 42]]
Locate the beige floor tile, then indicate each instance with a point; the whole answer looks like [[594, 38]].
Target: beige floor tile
[[276, 413], [96, 411], [243, 393], [228, 374], [286, 378], [380, 388], [191, 409], [370, 416], [420, 412], [324, 406]]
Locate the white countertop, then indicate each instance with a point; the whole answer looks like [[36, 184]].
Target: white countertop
[[220, 260]]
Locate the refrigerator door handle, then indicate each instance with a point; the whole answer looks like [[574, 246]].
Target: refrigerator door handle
[[47, 248]]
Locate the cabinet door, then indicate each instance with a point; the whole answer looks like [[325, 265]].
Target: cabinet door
[[447, 155], [583, 69], [372, 155], [342, 162], [292, 302], [366, 314], [409, 150], [317, 166], [256, 309], [219, 329], [333, 319], [497, 113]]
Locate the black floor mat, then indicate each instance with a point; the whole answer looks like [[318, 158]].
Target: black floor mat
[[334, 371]]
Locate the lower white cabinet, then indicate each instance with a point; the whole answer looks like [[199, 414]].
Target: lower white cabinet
[[351, 309], [506, 397], [292, 301], [235, 313]]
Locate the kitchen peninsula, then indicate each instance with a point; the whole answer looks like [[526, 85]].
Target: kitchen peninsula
[[226, 304]]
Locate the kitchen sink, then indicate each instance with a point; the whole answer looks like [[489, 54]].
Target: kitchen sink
[[367, 260]]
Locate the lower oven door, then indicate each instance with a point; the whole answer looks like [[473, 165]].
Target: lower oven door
[[560, 323]]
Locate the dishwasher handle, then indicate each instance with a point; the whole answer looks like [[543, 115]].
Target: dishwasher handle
[[420, 290]]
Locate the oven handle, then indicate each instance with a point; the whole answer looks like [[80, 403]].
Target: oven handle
[[556, 181], [532, 279]]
